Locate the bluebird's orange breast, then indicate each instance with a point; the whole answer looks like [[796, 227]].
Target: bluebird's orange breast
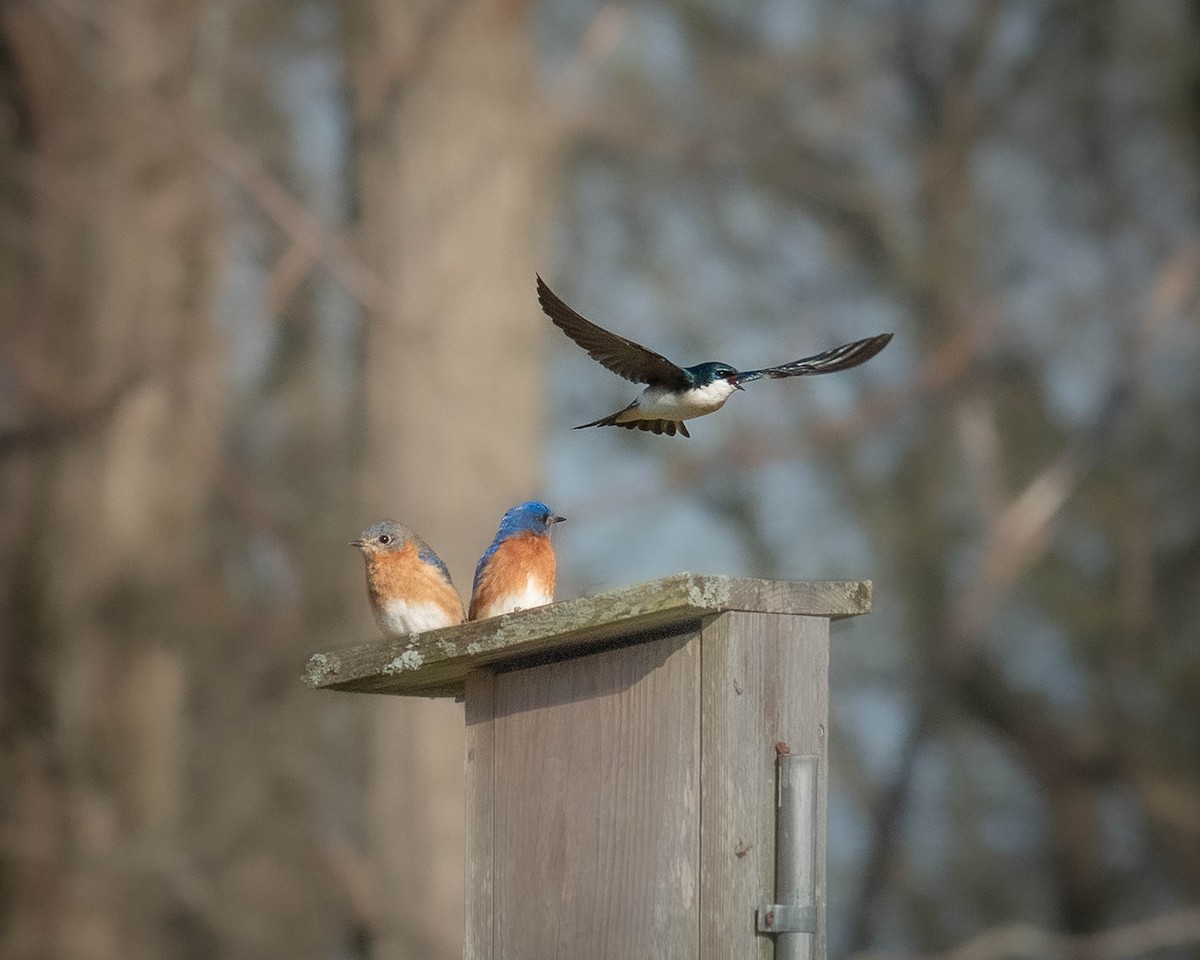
[[520, 574], [409, 595]]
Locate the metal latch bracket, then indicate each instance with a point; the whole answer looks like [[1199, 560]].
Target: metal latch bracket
[[787, 918]]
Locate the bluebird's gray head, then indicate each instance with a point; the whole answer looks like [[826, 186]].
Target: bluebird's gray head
[[383, 537], [531, 516]]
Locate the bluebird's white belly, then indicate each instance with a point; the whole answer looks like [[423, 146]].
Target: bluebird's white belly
[[399, 617], [534, 594], [658, 404]]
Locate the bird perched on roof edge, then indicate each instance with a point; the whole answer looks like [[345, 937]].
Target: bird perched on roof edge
[[673, 393], [518, 570], [407, 583]]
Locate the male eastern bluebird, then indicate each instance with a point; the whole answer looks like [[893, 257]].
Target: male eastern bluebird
[[408, 585], [517, 571]]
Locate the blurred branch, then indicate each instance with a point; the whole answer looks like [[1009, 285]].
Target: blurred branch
[[1050, 750], [62, 426], [1021, 532], [608, 28], [395, 77], [774, 152], [285, 276], [975, 419], [1068, 766], [1019, 940], [1019, 538], [312, 241], [1169, 801], [317, 241], [885, 828], [1176, 292], [781, 161], [951, 109]]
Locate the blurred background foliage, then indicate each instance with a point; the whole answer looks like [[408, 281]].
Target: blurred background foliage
[[266, 275]]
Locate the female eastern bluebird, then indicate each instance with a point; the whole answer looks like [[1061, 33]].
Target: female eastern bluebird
[[517, 571], [409, 586]]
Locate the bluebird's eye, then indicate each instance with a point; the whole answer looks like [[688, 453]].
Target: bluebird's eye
[[384, 538]]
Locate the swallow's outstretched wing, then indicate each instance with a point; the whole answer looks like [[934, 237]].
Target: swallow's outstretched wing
[[831, 361], [623, 357]]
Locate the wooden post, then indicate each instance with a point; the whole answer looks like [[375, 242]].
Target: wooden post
[[621, 765]]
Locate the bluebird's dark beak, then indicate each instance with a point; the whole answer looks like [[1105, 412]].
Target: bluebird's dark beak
[[556, 519], [357, 543]]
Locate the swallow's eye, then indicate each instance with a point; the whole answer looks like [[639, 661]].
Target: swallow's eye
[[384, 538]]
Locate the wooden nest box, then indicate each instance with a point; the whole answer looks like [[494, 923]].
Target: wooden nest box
[[646, 769]]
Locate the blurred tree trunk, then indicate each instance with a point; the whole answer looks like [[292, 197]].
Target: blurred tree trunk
[[116, 254], [448, 156], [156, 797]]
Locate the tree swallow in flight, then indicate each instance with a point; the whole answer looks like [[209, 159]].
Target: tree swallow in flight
[[673, 393]]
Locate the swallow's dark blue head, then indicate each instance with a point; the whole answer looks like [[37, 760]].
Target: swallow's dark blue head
[[705, 373]]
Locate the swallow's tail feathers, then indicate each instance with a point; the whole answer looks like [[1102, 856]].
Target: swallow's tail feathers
[[659, 427], [845, 357], [609, 421]]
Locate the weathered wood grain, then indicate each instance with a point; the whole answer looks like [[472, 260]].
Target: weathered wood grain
[[481, 784], [597, 807], [764, 681], [436, 663]]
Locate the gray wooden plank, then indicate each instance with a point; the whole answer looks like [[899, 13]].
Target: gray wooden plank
[[480, 696], [436, 663], [597, 806], [764, 680], [409, 782]]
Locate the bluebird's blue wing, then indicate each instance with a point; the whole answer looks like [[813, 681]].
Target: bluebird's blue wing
[[483, 562], [426, 554], [831, 361], [623, 357]]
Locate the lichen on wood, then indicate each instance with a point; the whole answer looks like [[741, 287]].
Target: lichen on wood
[[436, 663]]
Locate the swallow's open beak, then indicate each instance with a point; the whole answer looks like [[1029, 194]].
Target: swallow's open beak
[[733, 380], [556, 519]]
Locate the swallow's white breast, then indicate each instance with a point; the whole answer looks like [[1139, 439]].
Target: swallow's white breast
[[658, 404]]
